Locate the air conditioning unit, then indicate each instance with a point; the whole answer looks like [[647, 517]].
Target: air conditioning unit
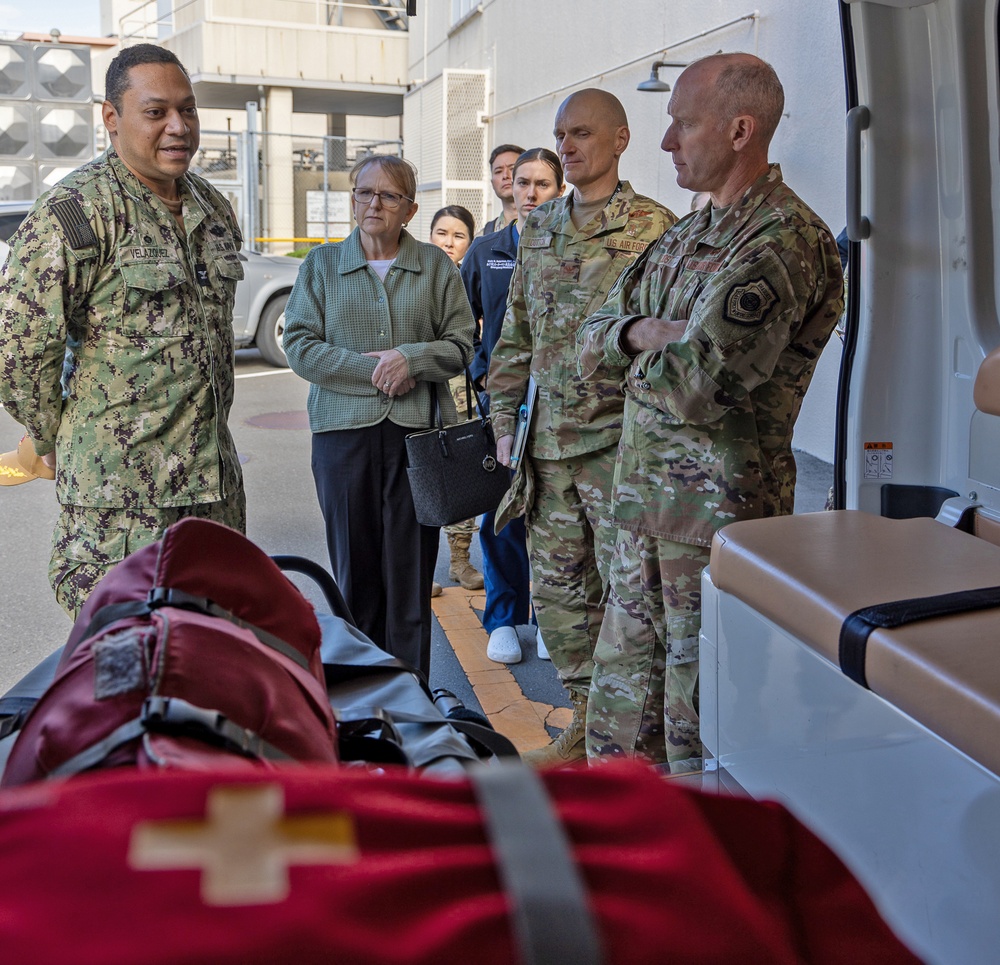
[[46, 116], [445, 138]]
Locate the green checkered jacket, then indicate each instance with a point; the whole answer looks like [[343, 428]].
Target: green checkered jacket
[[340, 309]]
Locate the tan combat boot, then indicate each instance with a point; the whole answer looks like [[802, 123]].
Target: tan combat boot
[[461, 570], [570, 747]]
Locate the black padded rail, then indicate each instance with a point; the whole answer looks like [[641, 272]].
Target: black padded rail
[[334, 598], [858, 627]]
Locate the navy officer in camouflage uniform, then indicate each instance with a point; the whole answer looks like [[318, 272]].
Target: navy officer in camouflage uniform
[[132, 263], [716, 330], [571, 252]]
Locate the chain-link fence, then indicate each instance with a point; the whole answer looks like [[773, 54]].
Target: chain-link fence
[[288, 191]]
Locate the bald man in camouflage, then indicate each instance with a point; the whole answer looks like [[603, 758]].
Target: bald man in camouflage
[[716, 330], [131, 263], [571, 252]]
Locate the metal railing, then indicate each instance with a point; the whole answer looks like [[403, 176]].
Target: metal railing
[[287, 189], [145, 22]]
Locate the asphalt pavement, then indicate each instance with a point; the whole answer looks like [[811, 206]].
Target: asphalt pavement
[[269, 425], [271, 432]]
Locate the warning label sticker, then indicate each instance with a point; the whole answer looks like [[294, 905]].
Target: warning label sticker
[[878, 460]]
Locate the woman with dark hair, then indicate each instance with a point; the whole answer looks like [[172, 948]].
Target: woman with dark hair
[[452, 230], [376, 323], [486, 272]]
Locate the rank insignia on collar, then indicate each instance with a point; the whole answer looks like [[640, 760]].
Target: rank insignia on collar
[[749, 304]]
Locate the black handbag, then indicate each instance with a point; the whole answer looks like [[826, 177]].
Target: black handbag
[[453, 470]]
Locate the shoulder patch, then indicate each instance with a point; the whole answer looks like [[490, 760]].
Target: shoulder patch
[[74, 222], [749, 303]]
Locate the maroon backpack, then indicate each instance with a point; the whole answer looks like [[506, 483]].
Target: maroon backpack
[[193, 652]]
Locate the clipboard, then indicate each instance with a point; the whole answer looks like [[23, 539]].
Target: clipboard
[[524, 414]]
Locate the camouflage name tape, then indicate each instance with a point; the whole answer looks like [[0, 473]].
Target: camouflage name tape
[[626, 244]]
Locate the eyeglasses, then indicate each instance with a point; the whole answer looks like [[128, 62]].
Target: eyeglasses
[[387, 198]]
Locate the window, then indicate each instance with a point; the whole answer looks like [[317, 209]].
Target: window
[[461, 9]]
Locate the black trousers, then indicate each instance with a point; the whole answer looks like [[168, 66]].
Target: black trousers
[[382, 558]]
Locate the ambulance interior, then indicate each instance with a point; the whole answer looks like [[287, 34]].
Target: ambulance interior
[[886, 739]]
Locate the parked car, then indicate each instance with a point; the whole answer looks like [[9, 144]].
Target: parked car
[[11, 215], [259, 312]]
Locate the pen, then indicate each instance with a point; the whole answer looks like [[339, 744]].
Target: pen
[[519, 436]]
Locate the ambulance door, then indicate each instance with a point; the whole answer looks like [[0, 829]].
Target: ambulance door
[[923, 177]]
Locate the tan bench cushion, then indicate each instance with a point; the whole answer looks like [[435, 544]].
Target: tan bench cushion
[[808, 573], [986, 389]]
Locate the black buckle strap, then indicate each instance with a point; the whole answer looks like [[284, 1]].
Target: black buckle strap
[[165, 596], [858, 627], [161, 596], [176, 717], [369, 735], [485, 740], [93, 755], [171, 715]]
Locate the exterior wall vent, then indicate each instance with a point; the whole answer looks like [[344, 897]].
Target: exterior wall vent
[[445, 138]]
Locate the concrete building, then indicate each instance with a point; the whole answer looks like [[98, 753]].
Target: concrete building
[[495, 71], [326, 79], [331, 78]]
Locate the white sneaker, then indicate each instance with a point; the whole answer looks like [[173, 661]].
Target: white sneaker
[[503, 646], [543, 651]]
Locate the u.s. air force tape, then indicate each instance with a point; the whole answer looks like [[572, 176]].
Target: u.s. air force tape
[[749, 304], [74, 222]]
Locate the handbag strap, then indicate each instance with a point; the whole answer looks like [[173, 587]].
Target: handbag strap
[[470, 393], [436, 421]]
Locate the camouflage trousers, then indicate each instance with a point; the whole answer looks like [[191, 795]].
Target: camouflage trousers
[[89, 541], [456, 385], [468, 526], [570, 542], [644, 698]]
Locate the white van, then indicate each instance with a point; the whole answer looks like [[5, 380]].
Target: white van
[[885, 739]]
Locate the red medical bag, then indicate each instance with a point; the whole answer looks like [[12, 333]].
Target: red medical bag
[[193, 651], [317, 864]]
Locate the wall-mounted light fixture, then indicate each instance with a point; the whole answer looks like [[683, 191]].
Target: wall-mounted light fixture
[[654, 83], [654, 79]]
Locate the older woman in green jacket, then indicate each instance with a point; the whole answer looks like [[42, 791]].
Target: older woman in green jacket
[[374, 322]]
